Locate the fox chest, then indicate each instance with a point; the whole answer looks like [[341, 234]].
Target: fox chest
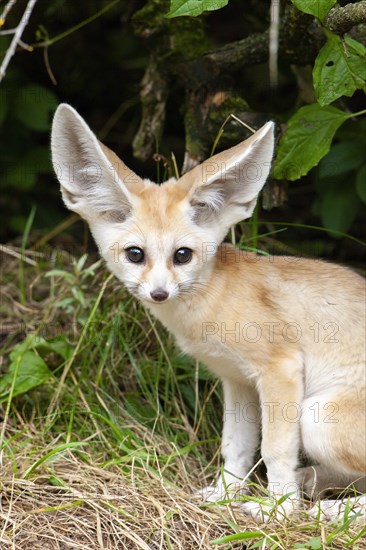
[[220, 356], [219, 346]]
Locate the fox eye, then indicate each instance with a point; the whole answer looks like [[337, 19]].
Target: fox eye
[[182, 256], [135, 254]]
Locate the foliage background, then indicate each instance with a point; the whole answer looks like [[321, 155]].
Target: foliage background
[[98, 69]]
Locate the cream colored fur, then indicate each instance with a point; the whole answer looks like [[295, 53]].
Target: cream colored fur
[[285, 335]]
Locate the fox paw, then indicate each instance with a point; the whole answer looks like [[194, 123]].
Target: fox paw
[[222, 491], [328, 510], [269, 509]]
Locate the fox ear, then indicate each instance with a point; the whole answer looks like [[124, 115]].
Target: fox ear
[[224, 189], [94, 181]]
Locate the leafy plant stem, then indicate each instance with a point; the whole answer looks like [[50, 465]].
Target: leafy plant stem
[[357, 114], [63, 35]]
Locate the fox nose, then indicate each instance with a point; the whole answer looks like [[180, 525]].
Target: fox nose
[[159, 295]]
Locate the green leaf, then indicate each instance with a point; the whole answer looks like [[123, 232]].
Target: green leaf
[[307, 140], [318, 8], [339, 69], [27, 344], [193, 8], [341, 159], [34, 105], [323, 185], [58, 345], [81, 262], [21, 176], [339, 207], [32, 372], [361, 183], [28, 366], [315, 543], [24, 174], [69, 277]]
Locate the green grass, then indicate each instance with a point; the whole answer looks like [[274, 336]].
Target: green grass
[[108, 430]]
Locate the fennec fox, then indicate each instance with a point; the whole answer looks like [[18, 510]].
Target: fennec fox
[[286, 336]]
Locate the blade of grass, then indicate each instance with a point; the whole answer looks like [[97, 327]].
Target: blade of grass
[[28, 225], [45, 458], [316, 228], [59, 507], [248, 535], [65, 224], [357, 537], [222, 129]]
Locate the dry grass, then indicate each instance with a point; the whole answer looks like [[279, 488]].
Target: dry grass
[[101, 508]]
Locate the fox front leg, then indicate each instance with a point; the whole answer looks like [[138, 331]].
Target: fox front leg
[[240, 439]]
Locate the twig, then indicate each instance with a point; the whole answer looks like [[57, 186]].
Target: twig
[[17, 37], [11, 252], [7, 31], [48, 66], [6, 10], [25, 46]]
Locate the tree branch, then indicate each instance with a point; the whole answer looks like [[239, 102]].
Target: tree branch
[[299, 43], [153, 95], [341, 19], [17, 37]]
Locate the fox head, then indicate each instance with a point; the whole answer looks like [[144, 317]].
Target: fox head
[[159, 240]]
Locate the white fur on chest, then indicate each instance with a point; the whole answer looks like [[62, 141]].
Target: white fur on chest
[[222, 359]]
